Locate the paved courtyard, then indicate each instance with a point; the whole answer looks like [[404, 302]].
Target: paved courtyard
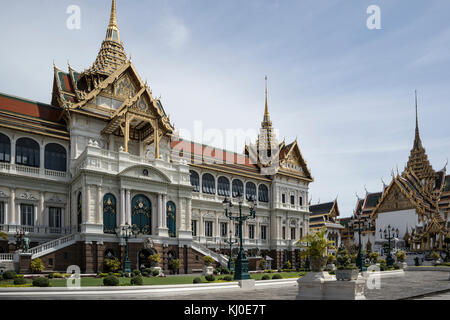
[[412, 284]]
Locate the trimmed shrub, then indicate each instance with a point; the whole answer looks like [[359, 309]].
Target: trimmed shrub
[[111, 281], [225, 271], [9, 275], [41, 282], [154, 259], [210, 277], [102, 275], [228, 278], [287, 265], [18, 281], [112, 264], [277, 276], [216, 272], [137, 281], [197, 280], [265, 277], [208, 260], [155, 273], [148, 270], [136, 273], [37, 266], [144, 273], [50, 275]]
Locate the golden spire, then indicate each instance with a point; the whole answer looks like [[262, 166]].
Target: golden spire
[[112, 33], [266, 120], [418, 159], [112, 54]]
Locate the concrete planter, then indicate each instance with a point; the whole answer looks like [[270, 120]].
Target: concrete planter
[[347, 274], [330, 267], [158, 269], [207, 270], [402, 265]]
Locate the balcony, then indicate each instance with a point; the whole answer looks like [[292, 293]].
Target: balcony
[[35, 229], [101, 160], [39, 173]]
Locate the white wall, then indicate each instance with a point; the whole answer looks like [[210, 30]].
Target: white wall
[[398, 219]]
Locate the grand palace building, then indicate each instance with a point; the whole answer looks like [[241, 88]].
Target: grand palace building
[[104, 154]]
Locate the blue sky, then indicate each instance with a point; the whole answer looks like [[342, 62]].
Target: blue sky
[[345, 91]]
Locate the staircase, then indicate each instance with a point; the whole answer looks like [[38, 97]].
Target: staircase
[[52, 246], [220, 258]]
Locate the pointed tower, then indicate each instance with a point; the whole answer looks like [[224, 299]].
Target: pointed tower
[[418, 159], [112, 54], [267, 141]]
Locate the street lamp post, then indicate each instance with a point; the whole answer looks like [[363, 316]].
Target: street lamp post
[[231, 242], [241, 272], [389, 237], [126, 232], [360, 258]]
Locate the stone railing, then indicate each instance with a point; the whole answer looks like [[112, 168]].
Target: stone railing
[[207, 252], [11, 168], [6, 257], [35, 229], [53, 245]]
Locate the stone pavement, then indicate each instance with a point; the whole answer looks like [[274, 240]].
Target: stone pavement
[[392, 288]]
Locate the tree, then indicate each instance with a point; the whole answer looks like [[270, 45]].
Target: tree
[[316, 248], [208, 260], [154, 259], [174, 265]]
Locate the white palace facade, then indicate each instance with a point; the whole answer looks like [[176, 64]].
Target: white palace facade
[[104, 153]]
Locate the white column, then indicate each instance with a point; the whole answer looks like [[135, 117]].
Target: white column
[[99, 218], [12, 213], [217, 227], [164, 211], [13, 150], [188, 214], [128, 207], [35, 208], [122, 207], [201, 226], [181, 214], [84, 206], [42, 218], [160, 213], [42, 156], [6, 213]]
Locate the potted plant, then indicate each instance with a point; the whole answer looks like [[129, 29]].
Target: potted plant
[[154, 260], [401, 257], [316, 248], [330, 262], [346, 270], [436, 258], [208, 269], [373, 257], [37, 266]]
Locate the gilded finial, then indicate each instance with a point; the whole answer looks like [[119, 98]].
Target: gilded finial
[[266, 108]]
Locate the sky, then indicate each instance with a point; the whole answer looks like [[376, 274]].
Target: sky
[[345, 91]]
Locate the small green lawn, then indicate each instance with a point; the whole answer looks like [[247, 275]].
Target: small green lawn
[[150, 281]]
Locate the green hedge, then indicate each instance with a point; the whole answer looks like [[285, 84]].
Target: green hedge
[[111, 281], [41, 282]]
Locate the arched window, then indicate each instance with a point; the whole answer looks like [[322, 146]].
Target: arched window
[[263, 193], [171, 219], [141, 214], [5, 148], [195, 181], [250, 191], [109, 213], [55, 157], [223, 187], [79, 211], [238, 188], [109, 254], [208, 184], [27, 152]]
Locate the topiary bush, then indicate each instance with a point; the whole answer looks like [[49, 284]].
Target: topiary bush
[[37, 266], [277, 276], [137, 281], [155, 273], [210, 277], [144, 273], [136, 273], [208, 260], [265, 277], [228, 278], [8, 275], [111, 281], [112, 264], [19, 281], [41, 282], [197, 280]]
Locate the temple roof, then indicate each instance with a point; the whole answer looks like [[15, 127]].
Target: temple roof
[[321, 208], [31, 116]]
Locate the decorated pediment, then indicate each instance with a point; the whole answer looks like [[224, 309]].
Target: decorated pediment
[[145, 172], [291, 160], [394, 199]]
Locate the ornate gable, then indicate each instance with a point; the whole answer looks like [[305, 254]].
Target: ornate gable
[[292, 161], [394, 200]]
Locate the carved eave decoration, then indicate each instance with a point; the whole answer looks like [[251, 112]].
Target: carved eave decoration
[[294, 156]]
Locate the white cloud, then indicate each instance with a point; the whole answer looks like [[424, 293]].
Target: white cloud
[[175, 32]]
